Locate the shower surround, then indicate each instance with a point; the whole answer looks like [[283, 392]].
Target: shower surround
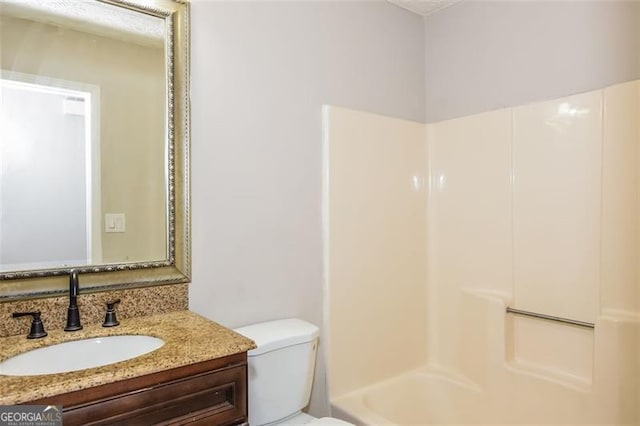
[[432, 231]]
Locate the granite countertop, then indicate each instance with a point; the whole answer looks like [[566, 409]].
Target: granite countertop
[[189, 338]]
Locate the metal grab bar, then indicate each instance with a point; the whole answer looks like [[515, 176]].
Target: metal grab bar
[[550, 317]]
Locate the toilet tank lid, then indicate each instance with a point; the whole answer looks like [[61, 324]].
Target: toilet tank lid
[[278, 334]]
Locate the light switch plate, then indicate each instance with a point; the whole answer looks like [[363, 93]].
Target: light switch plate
[[114, 222]]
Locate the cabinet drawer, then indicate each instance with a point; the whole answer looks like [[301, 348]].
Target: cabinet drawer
[[219, 396]]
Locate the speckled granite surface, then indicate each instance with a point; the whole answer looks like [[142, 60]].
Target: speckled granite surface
[[135, 302], [189, 338]]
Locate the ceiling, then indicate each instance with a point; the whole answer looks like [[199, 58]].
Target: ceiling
[[149, 30], [423, 7], [92, 17]]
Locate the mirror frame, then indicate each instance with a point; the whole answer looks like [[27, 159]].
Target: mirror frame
[[177, 268]]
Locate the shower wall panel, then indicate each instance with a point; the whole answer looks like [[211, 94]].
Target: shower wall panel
[[375, 246], [469, 221], [621, 200], [557, 157]]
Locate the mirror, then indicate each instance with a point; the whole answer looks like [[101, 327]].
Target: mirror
[[93, 144]]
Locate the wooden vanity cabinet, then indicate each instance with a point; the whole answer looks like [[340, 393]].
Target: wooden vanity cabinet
[[206, 393]]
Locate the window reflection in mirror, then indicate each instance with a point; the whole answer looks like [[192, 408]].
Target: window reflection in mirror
[[31, 116], [83, 140]]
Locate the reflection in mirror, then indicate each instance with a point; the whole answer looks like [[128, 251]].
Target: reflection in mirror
[[87, 142], [45, 132]]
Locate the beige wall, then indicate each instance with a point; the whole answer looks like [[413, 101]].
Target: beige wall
[[132, 121]]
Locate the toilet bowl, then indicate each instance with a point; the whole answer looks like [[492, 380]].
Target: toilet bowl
[[281, 373]]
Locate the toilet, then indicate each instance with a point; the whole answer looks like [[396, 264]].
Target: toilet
[[281, 373]]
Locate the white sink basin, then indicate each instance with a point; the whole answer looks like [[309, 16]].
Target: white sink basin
[[79, 355]]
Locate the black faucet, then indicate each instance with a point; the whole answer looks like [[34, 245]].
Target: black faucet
[[73, 313]]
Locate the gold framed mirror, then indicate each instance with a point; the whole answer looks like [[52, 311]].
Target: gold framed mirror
[[94, 112]]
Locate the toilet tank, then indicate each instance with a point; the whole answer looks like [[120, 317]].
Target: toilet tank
[[280, 368]]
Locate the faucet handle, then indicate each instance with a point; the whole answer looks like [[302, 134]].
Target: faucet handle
[[110, 319], [37, 327]]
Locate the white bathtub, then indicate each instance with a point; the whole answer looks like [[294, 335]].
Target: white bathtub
[[421, 397], [430, 397]]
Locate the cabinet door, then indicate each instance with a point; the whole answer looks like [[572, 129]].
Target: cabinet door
[[217, 396]]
